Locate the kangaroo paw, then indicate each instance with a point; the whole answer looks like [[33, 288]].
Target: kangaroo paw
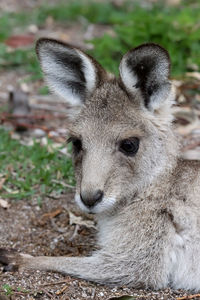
[[11, 259]]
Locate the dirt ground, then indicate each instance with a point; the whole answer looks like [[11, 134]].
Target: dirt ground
[[46, 230]]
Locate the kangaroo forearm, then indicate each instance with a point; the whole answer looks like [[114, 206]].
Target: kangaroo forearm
[[67, 265], [89, 268]]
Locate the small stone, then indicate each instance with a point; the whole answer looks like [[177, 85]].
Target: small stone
[[64, 151], [62, 131], [15, 136], [84, 295], [24, 87], [53, 134], [44, 141], [33, 28], [38, 133]]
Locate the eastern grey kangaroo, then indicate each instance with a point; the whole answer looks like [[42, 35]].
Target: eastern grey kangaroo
[[128, 171]]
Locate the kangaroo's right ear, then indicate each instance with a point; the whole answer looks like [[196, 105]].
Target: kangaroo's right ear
[[69, 72], [145, 70]]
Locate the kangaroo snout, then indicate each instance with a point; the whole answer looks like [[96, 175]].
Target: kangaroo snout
[[91, 198]]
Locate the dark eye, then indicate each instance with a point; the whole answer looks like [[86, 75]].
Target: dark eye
[[77, 144], [129, 146]]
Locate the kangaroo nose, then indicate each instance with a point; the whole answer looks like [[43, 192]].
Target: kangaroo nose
[[91, 199]]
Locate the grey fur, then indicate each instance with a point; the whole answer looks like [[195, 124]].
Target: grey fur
[[149, 218]]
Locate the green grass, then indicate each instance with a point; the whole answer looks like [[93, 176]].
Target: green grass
[[20, 58], [7, 289], [44, 90], [175, 28], [30, 170]]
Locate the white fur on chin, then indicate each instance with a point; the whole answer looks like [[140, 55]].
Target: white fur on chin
[[106, 204]]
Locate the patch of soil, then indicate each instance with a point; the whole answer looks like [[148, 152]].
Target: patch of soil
[[46, 230]]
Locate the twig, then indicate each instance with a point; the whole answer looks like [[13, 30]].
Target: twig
[[63, 183], [28, 126], [6, 115], [54, 283], [62, 290], [47, 98], [53, 197], [47, 293], [52, 214], [189, 297], [93, 293], [58, 229], [48, 107], [74, 233]]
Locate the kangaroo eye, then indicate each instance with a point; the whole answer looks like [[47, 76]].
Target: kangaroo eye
[[130, 146], [77, 144]]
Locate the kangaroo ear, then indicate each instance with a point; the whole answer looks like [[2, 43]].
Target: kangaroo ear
[[69, 72], [145, 70]]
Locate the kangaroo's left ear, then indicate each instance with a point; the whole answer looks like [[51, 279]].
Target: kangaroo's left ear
[[69, 72], [145, 70]]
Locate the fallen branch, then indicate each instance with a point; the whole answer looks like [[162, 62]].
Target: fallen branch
[[54, 283], [189, 297]]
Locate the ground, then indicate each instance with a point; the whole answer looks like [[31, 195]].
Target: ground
[[46, 230]]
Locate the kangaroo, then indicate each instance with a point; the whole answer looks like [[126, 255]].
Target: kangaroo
[[128, 171]]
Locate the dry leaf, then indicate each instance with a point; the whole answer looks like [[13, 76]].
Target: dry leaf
[[4, 203], [49, 216], [195, 75], [2, 180], [185, 130], [193, 154], [17, 41], [52, 214], [173, 2], [80, 221]]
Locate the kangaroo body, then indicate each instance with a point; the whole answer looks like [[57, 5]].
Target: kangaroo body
[[128, 171]]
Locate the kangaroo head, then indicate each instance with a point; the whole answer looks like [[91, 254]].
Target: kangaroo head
[[119, 128]]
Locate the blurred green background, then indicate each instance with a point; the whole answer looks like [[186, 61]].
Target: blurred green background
[[176, 27]]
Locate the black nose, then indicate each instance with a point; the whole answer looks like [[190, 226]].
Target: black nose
[[91, 199]]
